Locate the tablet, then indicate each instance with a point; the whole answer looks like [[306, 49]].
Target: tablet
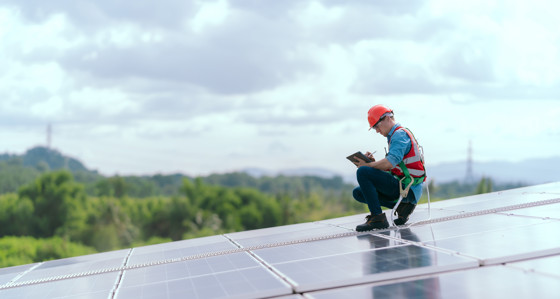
[[359, 155]]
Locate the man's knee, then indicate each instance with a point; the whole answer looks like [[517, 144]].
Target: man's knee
[[357, 194], [363, 171]]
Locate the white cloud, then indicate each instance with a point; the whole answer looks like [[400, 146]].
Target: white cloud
[[173, 85], [530, 52], [314, 14], [209, 14]]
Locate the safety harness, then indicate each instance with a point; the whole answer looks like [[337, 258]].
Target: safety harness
[[407, 180]]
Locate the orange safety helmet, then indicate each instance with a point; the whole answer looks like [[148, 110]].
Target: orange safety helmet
[[376, 113]]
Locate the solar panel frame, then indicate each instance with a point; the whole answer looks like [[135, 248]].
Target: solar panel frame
[[384, 264], [281, 235], [179, 250], [551, 211], [506, 245], [235, 282], [11, 274], [483, 282], [81, 265], [91, 286], [547, 265]]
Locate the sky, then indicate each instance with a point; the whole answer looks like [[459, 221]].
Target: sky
[[200, 87]]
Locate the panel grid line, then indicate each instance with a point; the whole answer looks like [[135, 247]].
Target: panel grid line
[[272, 245], [121, 274], [490, 211], [266, 265], [23, 273]]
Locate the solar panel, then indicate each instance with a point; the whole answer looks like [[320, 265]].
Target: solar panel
[[284, 234], [545, 265], [222, 276], [90, 286], [81, 265], [12, 273], [551, 211], [485, 282], [373, 265], [179, 249], [508, 244], [503, 243]]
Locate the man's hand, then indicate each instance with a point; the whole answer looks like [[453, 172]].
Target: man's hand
[[360, 162], [370, 156]]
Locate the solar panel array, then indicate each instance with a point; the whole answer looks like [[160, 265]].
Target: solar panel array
[[502, 244]]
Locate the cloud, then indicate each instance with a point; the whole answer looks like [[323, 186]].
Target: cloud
[[407, 48], [235, 57], [390, 7], [91, 15], [193, 78], [349, 22]]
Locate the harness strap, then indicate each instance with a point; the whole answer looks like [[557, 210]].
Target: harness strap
[[408, 180], [404, 192]]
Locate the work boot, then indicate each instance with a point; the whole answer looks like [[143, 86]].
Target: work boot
[[373, 222], [404, 210]]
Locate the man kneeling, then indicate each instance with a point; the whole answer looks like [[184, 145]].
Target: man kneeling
[[379, 180]]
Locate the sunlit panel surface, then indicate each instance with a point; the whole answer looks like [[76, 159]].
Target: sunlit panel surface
[[549, 265], [485, 282], [11, 273], [503, 244], [179, 249], [176, 282], [551, 211], [368, 266], [83, 265], [94, 286], [508, 244], [283, 234]]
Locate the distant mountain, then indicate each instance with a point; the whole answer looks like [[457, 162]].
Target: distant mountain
[[43, 157], [317, 172], [530, 172], [19, 170], [533, 171]]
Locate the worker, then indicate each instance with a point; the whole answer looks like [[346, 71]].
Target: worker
[[382, 182]]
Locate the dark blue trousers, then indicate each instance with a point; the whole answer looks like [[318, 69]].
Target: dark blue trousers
[[378, 188]]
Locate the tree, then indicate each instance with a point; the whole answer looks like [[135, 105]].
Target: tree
[[13, 175], [109, 227], [180, 211], [484, 186], [54, 196], [26, 250], [114, 186], [16, 216], [251, 217]]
